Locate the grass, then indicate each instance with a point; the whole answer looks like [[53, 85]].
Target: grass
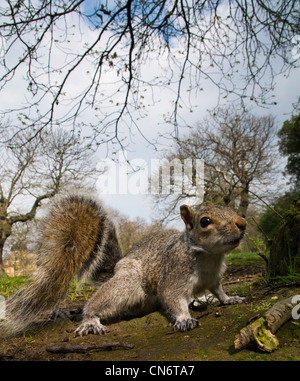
[[243, 257], [247, 262], [285, 280], [78, 289], [9, 285], [250, 261]]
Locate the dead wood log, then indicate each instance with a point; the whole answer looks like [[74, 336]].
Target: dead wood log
[[86, 348], [262, 329]]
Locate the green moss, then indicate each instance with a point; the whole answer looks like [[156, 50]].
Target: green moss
[[263, 336], [155, 340]]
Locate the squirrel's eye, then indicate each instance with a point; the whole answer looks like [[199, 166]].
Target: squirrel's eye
[[205, 221]]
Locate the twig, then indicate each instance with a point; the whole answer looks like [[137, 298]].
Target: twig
[[263, 232], [85, 348], [5, 356], [171, 332], [260, 252], [269, 206], [243, 278], [272, 288], [204, 313]]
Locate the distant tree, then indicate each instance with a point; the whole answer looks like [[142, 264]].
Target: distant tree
[[239, 152], [132, 231], [35, 170], [289, 145], [285, 247], [270, 221]]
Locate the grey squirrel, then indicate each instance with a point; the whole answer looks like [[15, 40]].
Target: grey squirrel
[[162, 272]]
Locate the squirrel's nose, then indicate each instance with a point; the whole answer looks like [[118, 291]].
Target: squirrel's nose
[[241, 223]]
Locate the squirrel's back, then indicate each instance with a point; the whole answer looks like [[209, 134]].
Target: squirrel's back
[[78, 238]]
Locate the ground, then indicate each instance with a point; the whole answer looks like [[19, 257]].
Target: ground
[[153, 337]]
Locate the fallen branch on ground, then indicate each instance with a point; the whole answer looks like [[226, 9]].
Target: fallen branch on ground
[[86, 348], [204, 313], [4, 356], [244, 278], [262, 329]]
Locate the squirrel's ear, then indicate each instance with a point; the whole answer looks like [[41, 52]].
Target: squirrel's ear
[[188, 215], [209, 203]]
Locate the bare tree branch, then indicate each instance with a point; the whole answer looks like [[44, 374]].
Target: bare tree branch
[[239, 151], [234, 44]]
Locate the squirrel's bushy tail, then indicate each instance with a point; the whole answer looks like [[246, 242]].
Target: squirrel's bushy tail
[[78, 238]]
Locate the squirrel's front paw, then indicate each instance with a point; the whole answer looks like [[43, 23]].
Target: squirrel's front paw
[[234, 300], [91, 326], [186, 325]]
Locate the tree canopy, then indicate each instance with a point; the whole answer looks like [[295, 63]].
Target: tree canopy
[[289, 145], [108, 58], [239, 153]]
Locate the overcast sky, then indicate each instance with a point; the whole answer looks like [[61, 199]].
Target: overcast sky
[[286, 93]]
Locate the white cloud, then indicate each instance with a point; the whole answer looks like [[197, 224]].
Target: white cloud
[[149, 119]]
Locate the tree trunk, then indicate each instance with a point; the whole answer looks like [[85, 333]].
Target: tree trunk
[[244, 203], [5, 232], [285, 248], [244, 179], [2, 271]]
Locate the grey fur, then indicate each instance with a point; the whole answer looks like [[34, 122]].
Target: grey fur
[[165, 270]]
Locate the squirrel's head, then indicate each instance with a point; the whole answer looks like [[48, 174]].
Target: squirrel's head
[[213, 228]]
